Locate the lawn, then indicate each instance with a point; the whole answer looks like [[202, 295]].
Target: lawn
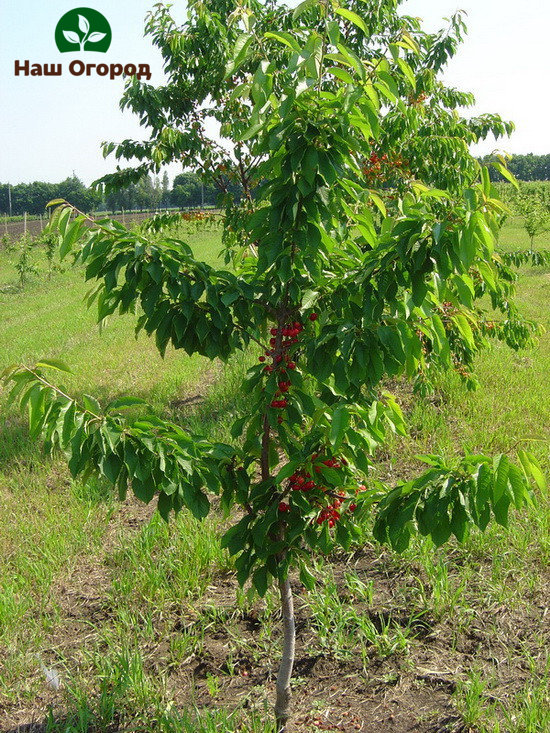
[[111, 620]]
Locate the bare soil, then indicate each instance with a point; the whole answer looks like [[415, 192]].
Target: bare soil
[[407, 692]]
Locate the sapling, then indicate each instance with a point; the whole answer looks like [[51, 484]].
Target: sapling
[[25, 266]]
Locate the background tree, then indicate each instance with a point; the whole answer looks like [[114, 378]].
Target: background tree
[[165, 198], [366, 252]]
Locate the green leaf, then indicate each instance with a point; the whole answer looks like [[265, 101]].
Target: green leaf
[[110, 466], [353, 18], [339, 425], [519, 488], [465, 329], [196, 501], [164, 505], [238, 425], [324, 541], [91, 404], [302, 7], [54, 364], [260, 581], [407, 72], [341, 74], [306, 577], [500, 510], [501, 477], [532, 469], [36, 409], [505, 173], [285, 38]]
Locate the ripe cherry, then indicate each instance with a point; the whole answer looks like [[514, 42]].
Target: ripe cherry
[[284, 507], [313, 317]]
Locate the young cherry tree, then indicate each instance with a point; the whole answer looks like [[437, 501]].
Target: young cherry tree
[[362, 247]]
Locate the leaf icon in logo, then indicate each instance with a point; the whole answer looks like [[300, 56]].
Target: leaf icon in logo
[[95, 37], [83, 24], [83, 29], [72, 37]]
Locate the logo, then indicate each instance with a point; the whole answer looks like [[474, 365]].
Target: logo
[[83, 29], [80, 30]]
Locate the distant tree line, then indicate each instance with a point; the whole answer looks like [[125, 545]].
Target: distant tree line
[[33, 197], [187, 190], [528, 167], [148, 193]]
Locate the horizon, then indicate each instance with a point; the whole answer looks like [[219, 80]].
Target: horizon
[[72, 115]]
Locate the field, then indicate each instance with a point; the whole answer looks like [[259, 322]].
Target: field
[[112, 621], [15, 226]]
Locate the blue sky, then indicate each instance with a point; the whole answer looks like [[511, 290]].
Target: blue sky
[[52, 126]]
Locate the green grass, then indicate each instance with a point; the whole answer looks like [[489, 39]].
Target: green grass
[[119, 604]]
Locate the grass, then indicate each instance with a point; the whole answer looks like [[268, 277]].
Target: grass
[[144, 623]]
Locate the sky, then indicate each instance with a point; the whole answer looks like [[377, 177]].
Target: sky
[[54, 126]]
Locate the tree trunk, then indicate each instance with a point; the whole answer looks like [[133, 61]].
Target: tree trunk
[[282, 703]]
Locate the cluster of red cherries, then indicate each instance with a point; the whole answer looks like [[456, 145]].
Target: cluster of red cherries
[[381, 167], [301, 480], [287, 336], [417, 100]]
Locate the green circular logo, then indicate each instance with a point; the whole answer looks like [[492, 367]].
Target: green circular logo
[[83, 29]]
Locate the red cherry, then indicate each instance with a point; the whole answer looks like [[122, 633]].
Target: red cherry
[[283, 507], [261, 358], [274, 332], [313, 317], [291, 365], [352, 507]]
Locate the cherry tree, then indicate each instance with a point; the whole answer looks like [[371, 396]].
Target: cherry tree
[[361, 247]]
